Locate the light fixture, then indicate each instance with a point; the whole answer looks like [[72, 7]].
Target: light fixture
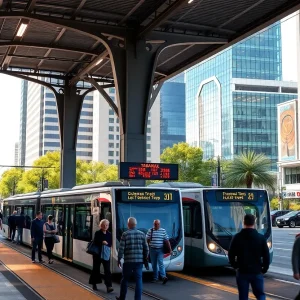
[[99, 61], [190, 1], [22, 29]]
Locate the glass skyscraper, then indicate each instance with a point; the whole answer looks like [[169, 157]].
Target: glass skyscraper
[[231, 99], [172, 113]]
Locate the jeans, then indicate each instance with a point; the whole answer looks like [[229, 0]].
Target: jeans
[[20, 235], [157, 258], [12, 233], [257, 283], [37, 243], [137, 270], [49, 243]]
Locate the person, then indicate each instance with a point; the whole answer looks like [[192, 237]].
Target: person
[[20, 222], [135, 250], [1, 219], [12, 226], [102, 237], [37, 235], [49, 230], [296, 260], [156, 238], [249, 255]]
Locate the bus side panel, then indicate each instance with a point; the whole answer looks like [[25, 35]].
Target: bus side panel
[[5, 230], [80, 256]]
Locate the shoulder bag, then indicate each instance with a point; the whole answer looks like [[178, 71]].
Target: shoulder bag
[[92, 248], [166, 248]]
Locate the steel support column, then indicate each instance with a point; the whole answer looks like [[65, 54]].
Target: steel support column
[[69, 107], [133, 71]]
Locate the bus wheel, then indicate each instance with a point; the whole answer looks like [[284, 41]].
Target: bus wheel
[[292, 224]]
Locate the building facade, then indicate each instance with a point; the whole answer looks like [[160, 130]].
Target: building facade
[[16, 160], [231, 99], [39, 128]]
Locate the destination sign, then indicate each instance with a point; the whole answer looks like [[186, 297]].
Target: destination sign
[[146, 195], [148, 171], [235, 195]]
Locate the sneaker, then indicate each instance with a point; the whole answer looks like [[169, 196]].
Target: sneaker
[[165, 280], [41, 261], [50, 261], [110, 289], [33, 261]]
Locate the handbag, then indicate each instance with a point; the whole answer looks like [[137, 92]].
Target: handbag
[[56, 239], [92, 249], [105, 253]]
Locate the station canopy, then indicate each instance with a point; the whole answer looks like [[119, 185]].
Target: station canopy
[[65, 37]]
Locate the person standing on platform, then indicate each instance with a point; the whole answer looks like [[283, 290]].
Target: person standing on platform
[[134, 249], [20, 222], [156, 238], [249, 255], [296, 260], [1, 219], [102, 239], [12, 225], [37, 236], [49, 229]]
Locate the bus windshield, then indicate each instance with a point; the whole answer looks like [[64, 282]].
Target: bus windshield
[[161, 205], [225, 211]]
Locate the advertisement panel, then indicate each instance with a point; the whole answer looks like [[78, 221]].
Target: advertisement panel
[[287, 131], [291, 194]]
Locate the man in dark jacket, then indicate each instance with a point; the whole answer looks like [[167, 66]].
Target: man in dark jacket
[[37, 235], [249, 255], [12, 225], [296, 260], [20, 222]]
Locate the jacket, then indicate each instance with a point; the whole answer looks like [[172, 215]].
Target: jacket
[[296, 256], [249, 252], [100, 237], [37, 230]]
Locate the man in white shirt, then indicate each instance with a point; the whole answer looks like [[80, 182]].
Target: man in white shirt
[[156, 238]]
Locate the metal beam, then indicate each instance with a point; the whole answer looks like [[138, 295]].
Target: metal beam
[[162, 17], [30, 6], [141, 2], [185, 39], [51, 76], [50, 47], [154, 94], [88, 68], [78, 9], [101, 90]]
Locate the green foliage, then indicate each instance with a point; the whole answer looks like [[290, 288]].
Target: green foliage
[[250, 168], [190, 161], [274, 203], [10, 182]]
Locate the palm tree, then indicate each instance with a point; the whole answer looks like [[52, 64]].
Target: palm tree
[[250, 168]]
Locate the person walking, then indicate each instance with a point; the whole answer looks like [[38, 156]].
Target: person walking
[[249, 255], [296, 260], [134, 249], [37, 235], [102, 239], [156, 238], [12, 226], [49, 230], [20, 222]]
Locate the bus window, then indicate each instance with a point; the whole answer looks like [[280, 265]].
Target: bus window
[[106, 214], [58, 219], [187, 219], [6, 214], [83, 222], [197, 222], [47, 210], [28, 213], [18, 209]]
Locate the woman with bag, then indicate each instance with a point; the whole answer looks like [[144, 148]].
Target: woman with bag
[[50, 231], [102, 239]]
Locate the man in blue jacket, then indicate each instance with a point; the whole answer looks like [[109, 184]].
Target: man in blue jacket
[[37, 235]]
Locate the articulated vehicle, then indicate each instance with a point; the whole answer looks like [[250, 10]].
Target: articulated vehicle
[[78, 211]]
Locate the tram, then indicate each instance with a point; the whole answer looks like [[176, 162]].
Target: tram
[[78, 211], [212, 216]]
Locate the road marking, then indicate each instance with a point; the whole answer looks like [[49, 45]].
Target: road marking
[[289, 257], [286, 281], [283, 249], [218, 286], [276, 243]]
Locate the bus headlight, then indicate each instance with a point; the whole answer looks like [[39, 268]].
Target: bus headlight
[[179, 248], [269, 243], [212, 247]]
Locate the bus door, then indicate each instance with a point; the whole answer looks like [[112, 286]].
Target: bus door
[[197, 232], [187, 221], [68, 231]]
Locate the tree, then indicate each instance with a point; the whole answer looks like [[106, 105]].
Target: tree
[[10, 182], [250, 168], [190, 162]]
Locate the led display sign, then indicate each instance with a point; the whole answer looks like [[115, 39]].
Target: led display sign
[[146, 195], [236, 195]]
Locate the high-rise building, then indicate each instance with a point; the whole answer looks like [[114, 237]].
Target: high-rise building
[[39, 129], [16, 163], [231, 99], [106, 131]]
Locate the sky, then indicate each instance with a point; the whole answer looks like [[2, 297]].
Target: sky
[[10, 94]]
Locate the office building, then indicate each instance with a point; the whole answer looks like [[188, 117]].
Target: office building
[[231, 99], [16, 161], [106, 131], [39, 129]]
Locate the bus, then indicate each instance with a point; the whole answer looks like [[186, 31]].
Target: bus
[[78, 211], [212, 216]]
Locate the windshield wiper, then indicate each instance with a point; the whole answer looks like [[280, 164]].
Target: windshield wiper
[[223, 229]]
